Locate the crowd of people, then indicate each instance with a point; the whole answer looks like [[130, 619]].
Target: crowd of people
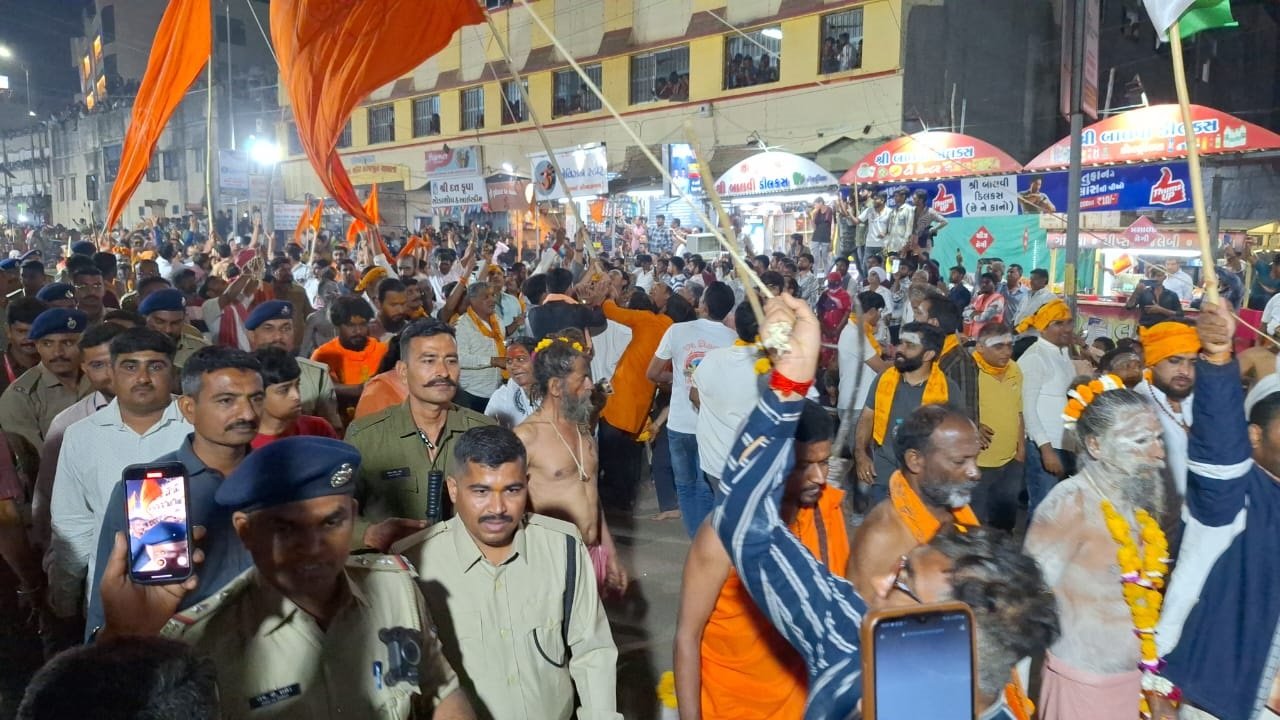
[[403, 459]]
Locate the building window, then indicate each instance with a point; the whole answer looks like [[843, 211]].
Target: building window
[[473, 108], [841, 42], [111, 162], [62, 190], [752, 58], [108, 24], [153, 168], [344, 137], [72, 183], [426, 116], [97, 47], [91, 187], [571, 94], [498, 4], [200, 160], [513, 109], [110, 66], [172, 164], [661, 75], [382, 124]]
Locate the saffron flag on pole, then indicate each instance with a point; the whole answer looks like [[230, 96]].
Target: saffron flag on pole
[[178, 53], [303, 220], [1192, 16], [333, 53], [370, 208], [318, 217]]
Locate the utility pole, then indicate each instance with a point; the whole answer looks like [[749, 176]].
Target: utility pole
[[1073, 176]]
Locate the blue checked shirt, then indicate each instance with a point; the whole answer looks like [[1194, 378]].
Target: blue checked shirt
[[660, 239]]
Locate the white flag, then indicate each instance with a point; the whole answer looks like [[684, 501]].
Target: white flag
[[1165, 13]]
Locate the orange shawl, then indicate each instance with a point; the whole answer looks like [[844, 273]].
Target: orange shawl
[[492, 330], [935, 392], [913, 513]]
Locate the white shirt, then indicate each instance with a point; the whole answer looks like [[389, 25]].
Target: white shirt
[[877, 225], [509, 405], [853, 349], [1030, 305], [475, 350], [1175, 434], [685, 344], [94, 452], [211, 311], [1180, 284], [644, 280], [728, 390], [508, 309], [901, 221], [1047, 372], [608, 347]]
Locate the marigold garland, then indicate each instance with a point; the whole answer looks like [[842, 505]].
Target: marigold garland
[[762, 365], [1082, 395]]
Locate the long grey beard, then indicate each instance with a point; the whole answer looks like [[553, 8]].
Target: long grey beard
[[1133, 489], [994, 664]]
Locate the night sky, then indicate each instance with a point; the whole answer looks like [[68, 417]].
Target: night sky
[[39, 33]]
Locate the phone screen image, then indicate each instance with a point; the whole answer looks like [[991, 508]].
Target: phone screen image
[[924, 667], [159, 534]]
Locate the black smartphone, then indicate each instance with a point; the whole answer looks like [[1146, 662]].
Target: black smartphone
[[159, 522], [919, 662]]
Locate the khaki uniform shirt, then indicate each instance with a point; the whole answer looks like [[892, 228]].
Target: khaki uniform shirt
[[274, 661], [501, 624], [316, 388], [30, 404], [395, 463], [187, 346]]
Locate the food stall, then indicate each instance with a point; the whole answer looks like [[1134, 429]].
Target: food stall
[[772, 193]]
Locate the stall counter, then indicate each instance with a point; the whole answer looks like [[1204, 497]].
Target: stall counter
[[1116, 320]]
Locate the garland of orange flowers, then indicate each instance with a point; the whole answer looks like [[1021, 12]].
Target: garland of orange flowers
[[762, 364], [1142, 574], [1015, 698]]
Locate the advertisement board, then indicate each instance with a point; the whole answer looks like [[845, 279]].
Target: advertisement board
[[774, 173], [233, 170], [683, 170], [456, 161], [930, 154], [586, 172], [454, 192]]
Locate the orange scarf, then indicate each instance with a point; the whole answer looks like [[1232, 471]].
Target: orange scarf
[[988, 368], [871, 339], [492, 330], [950, 343], [935, 393], [913, 513]]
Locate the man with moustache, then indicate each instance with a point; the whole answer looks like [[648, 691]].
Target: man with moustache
[[1170, 350], [512, 594], [403, 445], [283, 287], [353, 356], [271, 324], [563, 480], [20, 355], [141, 422], [729, 662], [31, 403], [222, 399], [1092, 671], [481, 348], [393, 308], [90, 290], [914, 380]]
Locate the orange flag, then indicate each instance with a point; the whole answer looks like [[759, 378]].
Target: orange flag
[[181, 48], [303, 219], [370, 208], [333, 53], [318, 218]]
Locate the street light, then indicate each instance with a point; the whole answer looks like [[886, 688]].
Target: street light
[[7, 54], [264, 152]]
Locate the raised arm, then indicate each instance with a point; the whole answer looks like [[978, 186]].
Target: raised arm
[[1219, 453]]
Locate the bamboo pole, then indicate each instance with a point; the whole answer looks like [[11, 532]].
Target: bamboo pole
[[1193, 165]]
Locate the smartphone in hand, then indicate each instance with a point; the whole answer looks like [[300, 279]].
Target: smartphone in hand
[[158, 518], [919, 662]]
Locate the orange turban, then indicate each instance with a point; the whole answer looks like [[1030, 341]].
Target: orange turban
[[1166, 339], [1051, 312]]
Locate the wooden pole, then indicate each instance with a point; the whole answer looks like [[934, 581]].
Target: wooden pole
[[1193, 165]]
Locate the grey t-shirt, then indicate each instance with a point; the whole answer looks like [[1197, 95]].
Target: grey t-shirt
[[906, 399]]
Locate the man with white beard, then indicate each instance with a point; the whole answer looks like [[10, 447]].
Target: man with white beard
[[1170, 350], [1088, 527]]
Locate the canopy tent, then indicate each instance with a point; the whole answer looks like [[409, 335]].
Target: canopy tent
[[774, 173], [930, 155], [1155, 133]]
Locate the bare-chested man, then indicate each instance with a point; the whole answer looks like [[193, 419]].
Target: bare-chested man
[[1091, 673], [562, 453], [937, 450], [1259, 361]]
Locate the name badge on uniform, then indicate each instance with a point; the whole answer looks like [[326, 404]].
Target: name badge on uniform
[[271, 697], [397, 474]]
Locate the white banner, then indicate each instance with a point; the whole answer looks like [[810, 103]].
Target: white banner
[[987, 196], [286, 215], [233, 170], [586, 172], [454, 192]]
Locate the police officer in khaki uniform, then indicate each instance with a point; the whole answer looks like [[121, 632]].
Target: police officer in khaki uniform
[[271, 324], [166, 312], [404, 444], [30, 403], [308, 632], [514, 595]]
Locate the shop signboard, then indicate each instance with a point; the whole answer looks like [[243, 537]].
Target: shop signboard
[[683, 168], [585, 168], [931, 154], [1132, 188], [1143, 238], [981, 240], [454, 192], [455, 161], [774, 173], [1156, 133], [507, 194], [233, 170], [287, 215]]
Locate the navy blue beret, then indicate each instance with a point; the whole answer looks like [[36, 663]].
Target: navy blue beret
[[269, 310], [56, 291], [58, 320], [9, 264], [84, 247], [167, 299], [164, 532], [290, 470]]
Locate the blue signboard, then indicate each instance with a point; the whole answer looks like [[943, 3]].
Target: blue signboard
[[1134, 188]]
